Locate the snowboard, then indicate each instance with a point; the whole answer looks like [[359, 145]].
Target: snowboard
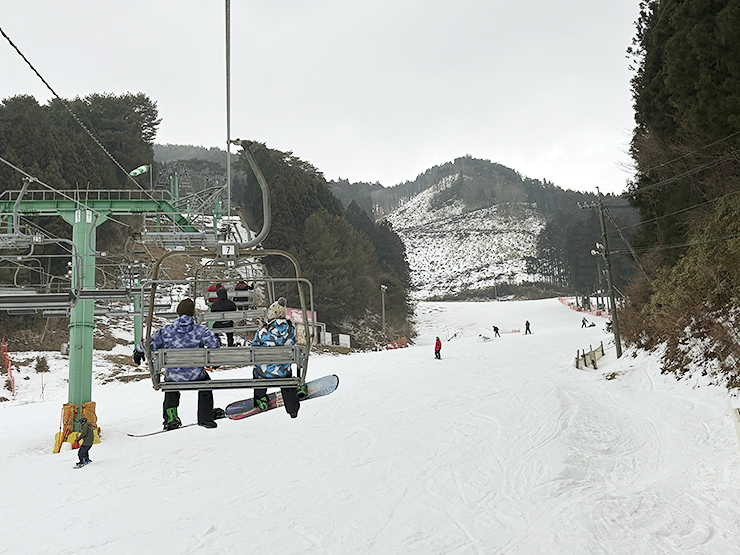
[[316, 388], [244, 408], [78, 465]]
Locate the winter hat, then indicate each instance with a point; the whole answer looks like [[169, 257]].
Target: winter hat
[[277, 309], [186, 306], [83, 420]]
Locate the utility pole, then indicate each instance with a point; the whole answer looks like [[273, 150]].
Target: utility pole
[[603, 250]]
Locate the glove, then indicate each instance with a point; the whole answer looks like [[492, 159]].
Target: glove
[[138, 357]]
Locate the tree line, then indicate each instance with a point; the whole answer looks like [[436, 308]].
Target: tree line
[[564, 246], [686, 92], [344, 253], [48, 143]]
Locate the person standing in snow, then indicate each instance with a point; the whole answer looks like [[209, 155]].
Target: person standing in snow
[[277, 331], [526, 328], [495, 332], [584, 322], [223, 304], [437, 349], [85, 439], [183, 333]]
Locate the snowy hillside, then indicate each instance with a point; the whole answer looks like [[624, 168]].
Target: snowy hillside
[[501, 447], [449, 250]]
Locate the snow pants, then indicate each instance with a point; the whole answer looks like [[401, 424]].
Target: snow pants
[[290, 398], [229, 335], [84, 452], [205, 403]]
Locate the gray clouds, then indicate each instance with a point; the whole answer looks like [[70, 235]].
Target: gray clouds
[[367, 91]]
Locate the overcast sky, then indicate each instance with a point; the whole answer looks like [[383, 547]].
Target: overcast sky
[[375, 91]]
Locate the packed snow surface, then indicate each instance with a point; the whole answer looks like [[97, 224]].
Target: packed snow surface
[[503, 446]]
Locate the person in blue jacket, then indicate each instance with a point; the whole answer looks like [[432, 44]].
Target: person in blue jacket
[[183, 333], [277, 331]]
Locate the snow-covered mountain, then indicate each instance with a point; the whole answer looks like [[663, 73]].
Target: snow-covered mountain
[[451, 248]]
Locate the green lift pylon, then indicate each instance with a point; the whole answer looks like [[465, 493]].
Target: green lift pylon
[[82, 315], [85, 215]]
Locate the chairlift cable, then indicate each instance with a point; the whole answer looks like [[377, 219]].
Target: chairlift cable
[[74, 116], [63, 194]]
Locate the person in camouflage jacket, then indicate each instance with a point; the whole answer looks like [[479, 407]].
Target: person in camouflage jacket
[[183, 333]]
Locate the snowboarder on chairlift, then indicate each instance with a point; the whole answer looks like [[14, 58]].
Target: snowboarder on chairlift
[[243, 286], [85, 439], [437, 348], [277, 331], [183, 333]]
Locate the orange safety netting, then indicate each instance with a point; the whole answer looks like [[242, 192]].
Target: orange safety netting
[[8, 366]]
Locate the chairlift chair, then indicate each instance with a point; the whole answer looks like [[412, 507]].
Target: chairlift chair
[[230, 357]]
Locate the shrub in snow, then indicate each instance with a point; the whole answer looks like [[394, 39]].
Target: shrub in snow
[[41, 364]]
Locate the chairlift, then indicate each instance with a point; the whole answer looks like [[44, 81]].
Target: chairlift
[[219, 273], [245, 322]]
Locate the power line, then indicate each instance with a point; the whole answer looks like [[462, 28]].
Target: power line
[[74, 116], [727, 237], [730, 136], [626, 242], [61, 193], [728, 195], [678, 177]]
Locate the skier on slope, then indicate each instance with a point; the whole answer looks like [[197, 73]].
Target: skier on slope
[[85, 439], [437, 349], [526, 328], [183, 333], [495, 332], [277, 331]]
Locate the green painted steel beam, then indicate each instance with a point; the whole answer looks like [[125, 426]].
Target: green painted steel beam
[[108, 207]]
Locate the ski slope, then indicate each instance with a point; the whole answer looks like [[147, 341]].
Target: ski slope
[[503, 446]]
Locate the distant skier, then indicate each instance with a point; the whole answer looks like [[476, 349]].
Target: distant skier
[[85, 439], [526, 328], [495, 332], [437, 349], [584, 323]]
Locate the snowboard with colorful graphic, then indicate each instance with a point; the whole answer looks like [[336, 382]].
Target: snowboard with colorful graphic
[[316, 388]]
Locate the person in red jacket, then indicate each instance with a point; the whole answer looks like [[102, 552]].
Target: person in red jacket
[[437, 349]]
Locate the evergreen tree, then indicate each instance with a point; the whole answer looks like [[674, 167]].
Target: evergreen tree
[[686, 92], [687, 110], [387, 243], [308, 221]]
